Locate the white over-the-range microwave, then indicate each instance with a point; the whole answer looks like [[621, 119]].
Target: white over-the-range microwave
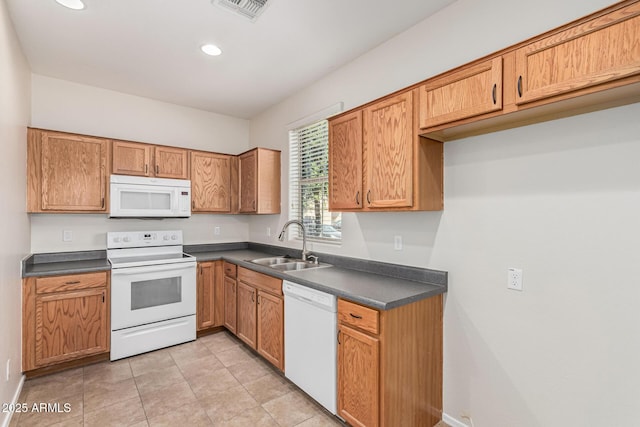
[[143, 197]]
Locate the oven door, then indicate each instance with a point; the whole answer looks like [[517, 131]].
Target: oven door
[[135, 200], [141, 295]]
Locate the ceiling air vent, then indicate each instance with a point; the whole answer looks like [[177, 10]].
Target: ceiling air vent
[[249, 9]]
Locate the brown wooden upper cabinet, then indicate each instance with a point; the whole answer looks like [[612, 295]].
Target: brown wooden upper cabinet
[[259, 181], [594, 52], [134, 158], [345, 161], [466, 93], [210, 182], [378, 162], [66, 172]]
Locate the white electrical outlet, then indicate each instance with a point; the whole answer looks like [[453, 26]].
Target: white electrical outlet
[[216, 231], [514, 279], [67, 236], [8, 369], [397, 243], [268, 231]]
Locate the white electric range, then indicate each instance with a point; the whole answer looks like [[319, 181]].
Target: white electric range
[[153, 291]]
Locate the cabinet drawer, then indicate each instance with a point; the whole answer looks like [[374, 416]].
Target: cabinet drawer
[[260, 281], [230, 270], [359, 316], [73, 282]]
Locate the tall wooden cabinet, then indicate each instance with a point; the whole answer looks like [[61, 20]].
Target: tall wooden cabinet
[[210, 295], [260, 314], [66, 172], [395, 170], [210, 182], [134, 158], [259, 181], [390, 364], [65, 318]]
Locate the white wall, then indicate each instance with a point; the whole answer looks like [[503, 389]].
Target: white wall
[[560, 199], [72, 107], [14, 222]]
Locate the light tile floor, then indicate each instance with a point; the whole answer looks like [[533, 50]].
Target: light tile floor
[[214, 381]]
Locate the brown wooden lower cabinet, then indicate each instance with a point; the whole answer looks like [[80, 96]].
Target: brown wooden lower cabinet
[[390, 364], [247, 327], [65, 318], [230, 302], [210, 295], [260, 314]]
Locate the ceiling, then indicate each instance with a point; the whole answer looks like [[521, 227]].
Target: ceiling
[[151, 48]]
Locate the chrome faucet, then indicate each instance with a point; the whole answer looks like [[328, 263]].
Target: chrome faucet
[[305, 253]]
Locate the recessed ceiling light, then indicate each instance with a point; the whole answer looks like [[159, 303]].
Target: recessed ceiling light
[[72, 4], [211, 49]]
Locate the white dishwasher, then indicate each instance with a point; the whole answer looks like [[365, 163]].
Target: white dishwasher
[[310, 342]]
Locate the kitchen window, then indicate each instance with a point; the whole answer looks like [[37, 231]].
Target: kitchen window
[[309, 183]]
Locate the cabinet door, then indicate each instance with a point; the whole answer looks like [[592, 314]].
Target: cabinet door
[[248, 173], [271, 329], [595, 52], [388, 148], [69, 325], [73, 172], [230, 301], [205, 296], [358, 377], [130, 158], [345, 162], [210, 182], [469, 92], [171, 162], [246, 327]]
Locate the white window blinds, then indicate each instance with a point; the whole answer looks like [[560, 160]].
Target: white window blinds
[[309, 183]]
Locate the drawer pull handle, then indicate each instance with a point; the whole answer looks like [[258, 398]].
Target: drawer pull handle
[[338, 337], [520, 86], [75, 282], [358, 198], [369, 196], [495, 87], [355, 316], [157, 169], [146, 169], [253, 295]]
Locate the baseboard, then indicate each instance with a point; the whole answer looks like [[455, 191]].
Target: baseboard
[[452, 421], [16, 396]]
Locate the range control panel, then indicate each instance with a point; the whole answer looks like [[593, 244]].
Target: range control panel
[[140, 239]]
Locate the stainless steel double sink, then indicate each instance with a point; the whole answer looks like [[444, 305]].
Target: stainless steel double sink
[[284, 263]]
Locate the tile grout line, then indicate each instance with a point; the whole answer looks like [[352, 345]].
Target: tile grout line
[[189, 384]]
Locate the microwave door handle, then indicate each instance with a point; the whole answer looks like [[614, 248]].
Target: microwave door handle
[[127, 271]]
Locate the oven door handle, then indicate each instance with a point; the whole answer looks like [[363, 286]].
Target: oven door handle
[[128, 271]]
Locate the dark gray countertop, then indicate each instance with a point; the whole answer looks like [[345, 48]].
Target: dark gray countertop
[[374, 284], [56, 264]]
